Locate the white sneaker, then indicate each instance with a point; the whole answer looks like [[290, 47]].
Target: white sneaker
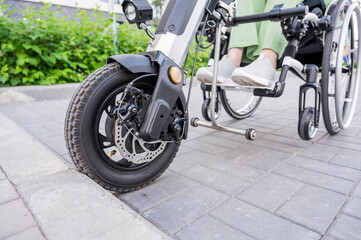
[[225, 69], [259, 73]]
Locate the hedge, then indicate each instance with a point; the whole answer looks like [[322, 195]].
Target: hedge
[[44, 48]]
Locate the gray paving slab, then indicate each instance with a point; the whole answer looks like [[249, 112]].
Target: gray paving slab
[[283, 147], [343, 144], [320, 152], [215, 179], [38, 129], [32, 233], [353, 208], [27, 162], [69, 205], [258, 223], [341, 138], [313, 207], [56, 144], [357, 191], [297, 142], [290, 131], [183, 209], [243, 151], [206, 147], [353, 130], [189, 159], [2, 175], [318, 179], [268, 160], [208, 228], [166, 187], [247, 173], [327, 168], [220, 141], [348, 158], [346, 228], [270, 192], [15, 217], [7, 192], [327, 238]]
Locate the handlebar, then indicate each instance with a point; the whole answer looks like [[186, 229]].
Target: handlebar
[[273, 15]]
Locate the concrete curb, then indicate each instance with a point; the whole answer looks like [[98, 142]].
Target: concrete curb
[[63, 204], [9, 95]]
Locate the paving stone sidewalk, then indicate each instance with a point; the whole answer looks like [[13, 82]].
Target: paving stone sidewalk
[[41, 197], [221, 186]]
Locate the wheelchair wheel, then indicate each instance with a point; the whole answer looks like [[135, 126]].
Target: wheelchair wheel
[[239, 103], [306, 124], [206, 109], [340, 66]]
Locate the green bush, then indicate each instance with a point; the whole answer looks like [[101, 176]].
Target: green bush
[[44, 48]]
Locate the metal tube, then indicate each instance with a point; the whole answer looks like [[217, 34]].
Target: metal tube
[[250, 134], [217, 51], [225, 129]]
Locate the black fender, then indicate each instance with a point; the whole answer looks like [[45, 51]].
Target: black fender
[[134, 63], [165, 96]]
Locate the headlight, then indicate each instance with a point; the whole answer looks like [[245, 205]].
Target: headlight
[[137, 11], [130, 12]]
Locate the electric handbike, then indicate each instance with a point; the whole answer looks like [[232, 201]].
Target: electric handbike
[[126, 121]]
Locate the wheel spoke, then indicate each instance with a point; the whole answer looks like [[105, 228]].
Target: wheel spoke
[[110, 105], [104, 139]]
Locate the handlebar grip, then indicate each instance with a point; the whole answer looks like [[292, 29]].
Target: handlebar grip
[[293, 12]]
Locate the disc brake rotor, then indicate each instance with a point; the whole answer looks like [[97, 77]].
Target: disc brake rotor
[[133, 148]]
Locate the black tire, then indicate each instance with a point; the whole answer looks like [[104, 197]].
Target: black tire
[[82, 133], [239, 102], [328, 108], [306, 129], [206, 111]]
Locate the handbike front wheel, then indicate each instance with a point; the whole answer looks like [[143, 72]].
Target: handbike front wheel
[[112, 154]]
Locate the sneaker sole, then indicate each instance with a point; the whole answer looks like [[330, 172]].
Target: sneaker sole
[[244, 78], [207, 77]]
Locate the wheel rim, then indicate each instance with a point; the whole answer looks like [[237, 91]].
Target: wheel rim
[[346, 77], [312, 130], [217, 113], [239, 102], [109, 150]]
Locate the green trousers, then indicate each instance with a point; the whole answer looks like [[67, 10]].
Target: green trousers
[[257, 36]]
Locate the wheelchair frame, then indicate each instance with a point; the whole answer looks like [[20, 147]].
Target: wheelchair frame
[[294, 29]]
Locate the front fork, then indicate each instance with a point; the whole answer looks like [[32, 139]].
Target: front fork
[[311, 83]]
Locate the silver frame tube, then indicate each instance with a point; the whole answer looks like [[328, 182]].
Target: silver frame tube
[[249, 133]]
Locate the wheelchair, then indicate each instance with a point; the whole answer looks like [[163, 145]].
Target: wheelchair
[[326, 40]]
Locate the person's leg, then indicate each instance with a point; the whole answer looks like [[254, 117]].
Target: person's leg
[[270, 34], [271, 45], [244, 37], [235, 54]]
